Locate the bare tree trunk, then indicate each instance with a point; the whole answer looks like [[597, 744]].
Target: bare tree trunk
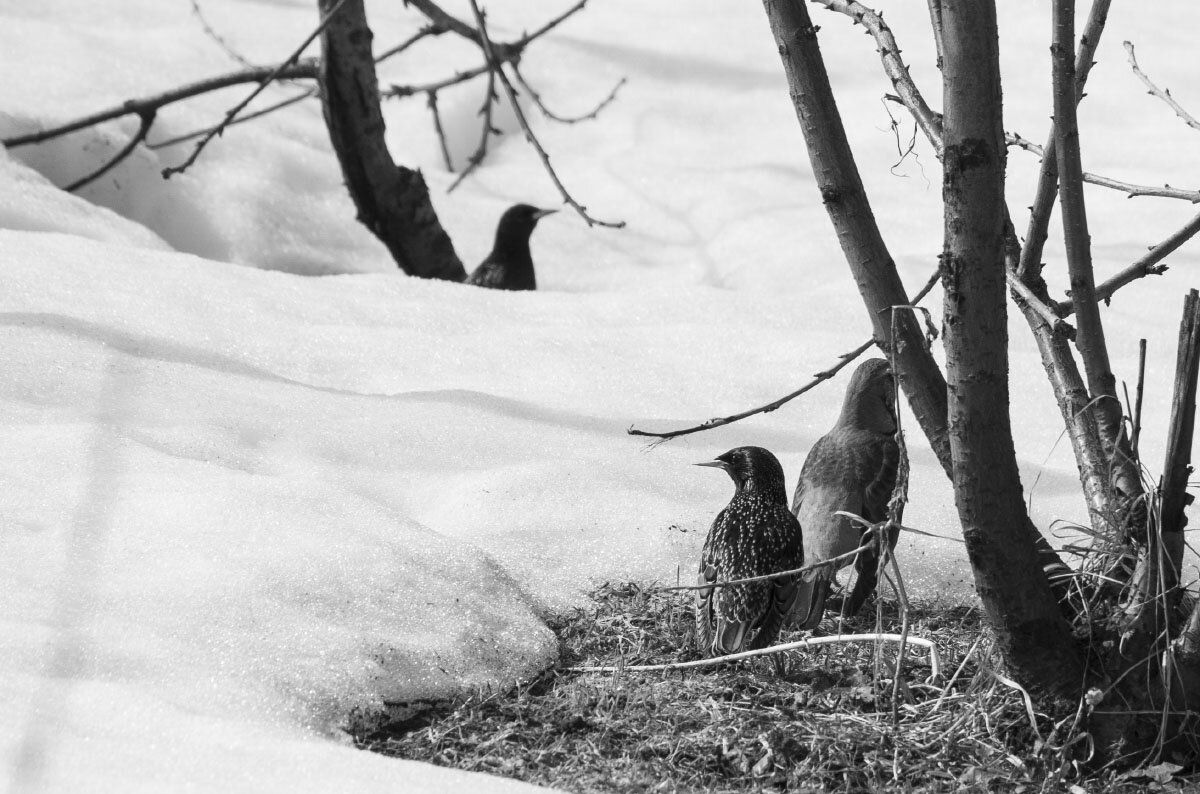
[[846, 202], [392, 201], [1033, 636]]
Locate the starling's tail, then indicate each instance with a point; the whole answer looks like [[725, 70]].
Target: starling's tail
[[810, 604]]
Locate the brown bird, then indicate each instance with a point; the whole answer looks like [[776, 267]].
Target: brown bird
[[510, 265], [753, 536], [852, 468]]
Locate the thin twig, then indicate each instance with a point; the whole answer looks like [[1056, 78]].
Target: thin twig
[[935, 660], [489, 102], [1134, 191], [819, 378], [147, 118], [1148, 265], [212, 34], [441, 133], [1136, 418], [428, 30], [187, 136], [1162, 93], [537, 100], [167, 173], [498, 71], [770, 576], [889, 52]]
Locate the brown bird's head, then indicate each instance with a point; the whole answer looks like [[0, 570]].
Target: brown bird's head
[[753, 469], [870, 401]]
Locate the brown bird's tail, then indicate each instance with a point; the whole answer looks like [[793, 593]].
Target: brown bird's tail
[[810, 604]]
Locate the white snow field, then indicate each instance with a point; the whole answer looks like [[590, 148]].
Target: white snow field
[[255, 484]]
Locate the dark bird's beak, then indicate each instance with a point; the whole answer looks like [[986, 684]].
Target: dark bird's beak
[[716, 464], [537, 216]]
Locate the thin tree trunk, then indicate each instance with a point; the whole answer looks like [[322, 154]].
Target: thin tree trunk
[[1093, 348], [1030, 630], [392, 201], [846, 201]]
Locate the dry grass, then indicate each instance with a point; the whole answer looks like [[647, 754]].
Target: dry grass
[[827, 723]]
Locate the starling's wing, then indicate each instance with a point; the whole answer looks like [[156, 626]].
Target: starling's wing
[[828, 484], [783, 601], [830, 481], [489, 274], [705, 620], [879, 462]]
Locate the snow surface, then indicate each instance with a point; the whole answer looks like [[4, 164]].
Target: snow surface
[[244, 508]]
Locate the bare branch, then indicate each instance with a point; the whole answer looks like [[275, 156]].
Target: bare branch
[[935, 22], [1030, 265], [818, 379], [428, 30], [444, 20], [889, 52], [187, 136], [498, 71], [169, 172], [437, 126], [126, 150], [1166, 191], [301, 69], [1148, 265], [489, 101], [1162, 93], [1054, 320], [402, 91], [537, 100]]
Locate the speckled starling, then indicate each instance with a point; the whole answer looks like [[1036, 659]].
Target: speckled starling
[[509, 265], [753, 536], [852, 468]]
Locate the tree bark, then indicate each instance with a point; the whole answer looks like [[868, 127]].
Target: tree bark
[[1031, 632], [392, 201], [846, 201]]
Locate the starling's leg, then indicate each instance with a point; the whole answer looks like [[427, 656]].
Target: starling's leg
[[867, 567]]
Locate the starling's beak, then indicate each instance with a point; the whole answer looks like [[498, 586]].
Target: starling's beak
[[537, 216], [716, 464]]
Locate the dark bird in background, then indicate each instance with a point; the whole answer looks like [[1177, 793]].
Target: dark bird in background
[[853, 468], [754, 535], [509, 265]]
